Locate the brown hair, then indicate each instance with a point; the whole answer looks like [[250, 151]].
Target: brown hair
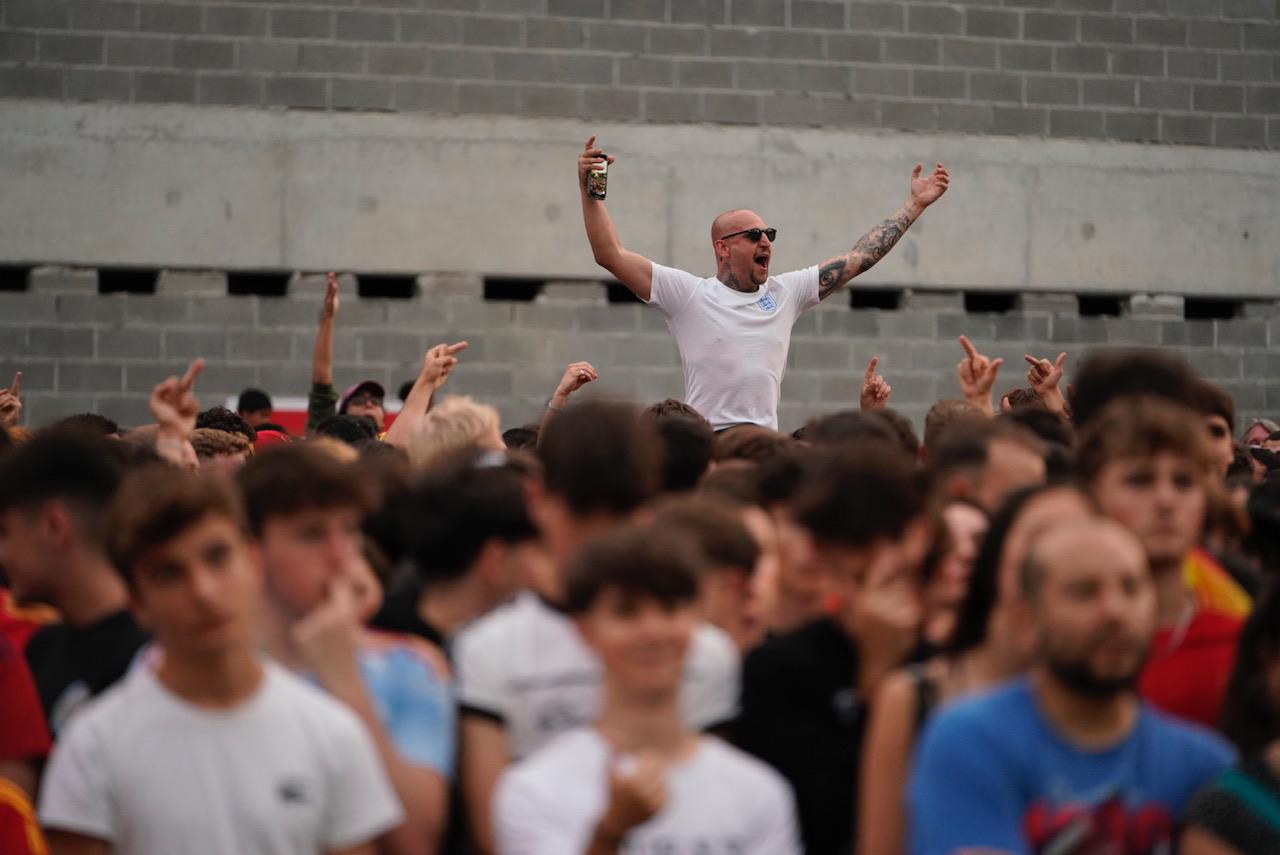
[[944, 415], [156, 504], [600, 456], [750, 442], [1213, 400], [289, 478], [716, 526], [1140, 427]]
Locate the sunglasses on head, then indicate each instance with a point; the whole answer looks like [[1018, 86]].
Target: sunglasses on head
[[753, 235]]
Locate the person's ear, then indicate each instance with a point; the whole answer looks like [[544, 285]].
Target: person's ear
[[56, 525]]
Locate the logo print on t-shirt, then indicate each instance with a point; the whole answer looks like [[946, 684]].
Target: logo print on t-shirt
[[767, 303], [293, 791]]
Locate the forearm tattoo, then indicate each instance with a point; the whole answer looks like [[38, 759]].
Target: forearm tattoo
[[869, 249]]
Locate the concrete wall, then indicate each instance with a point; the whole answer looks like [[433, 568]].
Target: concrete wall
[[83, 351], [238, 188], [1176, 71]]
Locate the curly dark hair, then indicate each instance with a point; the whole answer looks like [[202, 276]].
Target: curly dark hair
[[220, 418]]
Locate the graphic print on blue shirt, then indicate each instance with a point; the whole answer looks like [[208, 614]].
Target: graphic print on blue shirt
[[991, 772]]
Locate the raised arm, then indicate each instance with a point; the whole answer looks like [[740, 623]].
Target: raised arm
[[11, 403], [631, 269], [875, 244], [577, 375], [174, 407], [436, 365], [322, 399]]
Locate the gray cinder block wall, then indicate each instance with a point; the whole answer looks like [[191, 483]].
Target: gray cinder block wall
[[1175, 71], [81, 351]]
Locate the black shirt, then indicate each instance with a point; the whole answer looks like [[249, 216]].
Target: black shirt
[[72, 665], [399, 613], [802, 715]]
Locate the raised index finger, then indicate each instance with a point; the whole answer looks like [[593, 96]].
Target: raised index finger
[[968, 348], [871, 369], [17, 384], [590, 142], [189, 379], [457, 348]]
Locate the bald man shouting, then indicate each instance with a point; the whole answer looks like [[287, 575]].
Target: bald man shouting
[[734, 329]]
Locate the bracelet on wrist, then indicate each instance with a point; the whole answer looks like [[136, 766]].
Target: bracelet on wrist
[[553, 408]]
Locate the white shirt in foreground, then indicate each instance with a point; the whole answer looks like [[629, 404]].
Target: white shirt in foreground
[[733, 345], [526, 665], [719, 802], [289, 771]]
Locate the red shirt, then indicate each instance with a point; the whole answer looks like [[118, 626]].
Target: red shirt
[[23, 732], [1187, 672]]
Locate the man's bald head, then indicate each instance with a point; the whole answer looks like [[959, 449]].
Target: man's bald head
[[1079, 541], [734, 221]]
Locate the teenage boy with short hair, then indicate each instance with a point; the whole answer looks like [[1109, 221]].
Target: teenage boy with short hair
[[205, 746], [524, 673], [305, 511], [640, 779]]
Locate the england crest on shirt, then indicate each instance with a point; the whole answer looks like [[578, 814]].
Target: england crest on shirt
[[767, 303]]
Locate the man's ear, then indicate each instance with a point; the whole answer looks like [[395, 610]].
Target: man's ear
[[56, 525]]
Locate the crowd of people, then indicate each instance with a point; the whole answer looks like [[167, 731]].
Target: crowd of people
[[1048, 624]]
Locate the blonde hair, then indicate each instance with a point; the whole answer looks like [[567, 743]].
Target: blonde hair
[[455, 424], [210, 442]]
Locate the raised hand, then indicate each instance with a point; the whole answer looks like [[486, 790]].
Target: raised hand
[[977, 374], [636, 794], [439, 361], [11, 403], [1045, 378], [173, 403], [589, 157], [327, 637], [330, 307], [927, 189], [875, 391], [577, 375]]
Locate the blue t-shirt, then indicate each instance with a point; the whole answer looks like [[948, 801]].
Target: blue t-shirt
[[990, 772], [411, 687]]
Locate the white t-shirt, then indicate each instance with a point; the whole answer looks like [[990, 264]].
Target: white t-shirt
[[719, 802], [525, 665], [733, 345], [289, 771]]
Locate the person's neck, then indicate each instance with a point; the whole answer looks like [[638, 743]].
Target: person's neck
[[1172, 597], [987, 665], [216, 681], [275, 639], [92, 591], [727, 278], [633, 721], [447, 608], [1087, 722]]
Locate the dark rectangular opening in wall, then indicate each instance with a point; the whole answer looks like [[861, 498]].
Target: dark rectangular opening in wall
[[512, 290], [619, 293], [258, 284], [387, 286], [14, 277], [127, 280], [1095, 305], [1199, 309], [989, 302], [888, 299]]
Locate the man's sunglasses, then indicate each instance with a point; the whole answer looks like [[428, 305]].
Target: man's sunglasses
[[753, 235]]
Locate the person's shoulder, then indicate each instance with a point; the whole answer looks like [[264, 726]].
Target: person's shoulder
[[400, 651], [713, 644], [564, 757], [494, 627], [1004, 709], [1188, 739], [742, 769], [797, 646], [304, 702]]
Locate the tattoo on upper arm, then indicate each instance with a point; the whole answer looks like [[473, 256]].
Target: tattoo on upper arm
[[831, 276]]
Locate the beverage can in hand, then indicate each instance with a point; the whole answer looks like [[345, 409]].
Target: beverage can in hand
[[598, 178]]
